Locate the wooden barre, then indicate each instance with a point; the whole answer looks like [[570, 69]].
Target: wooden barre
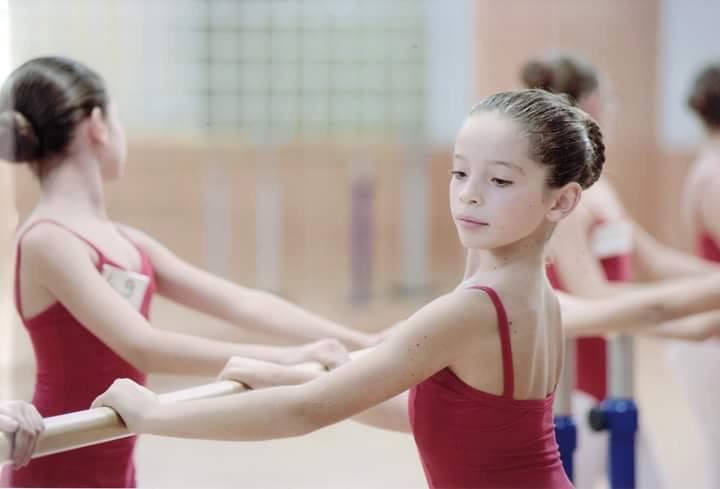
[[99, 425], [93, 426]]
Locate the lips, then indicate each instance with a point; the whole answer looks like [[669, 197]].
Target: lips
[[470, 221]]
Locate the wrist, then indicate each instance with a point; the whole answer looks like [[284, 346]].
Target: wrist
[[290, 355], [360, 341], [146, 420]]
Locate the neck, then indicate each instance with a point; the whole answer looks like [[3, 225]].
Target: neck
[[714, 136], [75, 186], [524, 256]]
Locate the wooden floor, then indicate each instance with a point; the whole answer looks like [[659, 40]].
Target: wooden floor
[[352, 455]]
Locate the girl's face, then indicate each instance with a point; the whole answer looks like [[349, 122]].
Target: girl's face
[[498, 195]]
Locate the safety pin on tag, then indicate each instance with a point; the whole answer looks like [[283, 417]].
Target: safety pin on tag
[[612, 239], [130, 285]]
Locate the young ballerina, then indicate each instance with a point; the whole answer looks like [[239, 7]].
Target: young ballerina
[[84, 284], [600, 244], [23, 425], [480, 363], [596, 251], [696, 365]]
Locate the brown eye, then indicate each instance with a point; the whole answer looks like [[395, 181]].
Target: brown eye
[[458, 174], [501, 183]]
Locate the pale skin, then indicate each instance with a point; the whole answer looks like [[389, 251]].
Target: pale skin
[[58, 267], [664, 309], [493, 178], [23, 425], [693, 366], [701, 199], [8, 221], [652, 309]]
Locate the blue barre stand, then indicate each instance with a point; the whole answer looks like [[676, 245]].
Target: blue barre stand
[[619, 415]]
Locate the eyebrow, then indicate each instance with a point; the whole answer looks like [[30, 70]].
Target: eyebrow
[[506, 164]]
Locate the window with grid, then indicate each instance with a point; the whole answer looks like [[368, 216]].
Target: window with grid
[[310, 68], [261, 69]]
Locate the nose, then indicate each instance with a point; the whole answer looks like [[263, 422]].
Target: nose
[[468, 196]]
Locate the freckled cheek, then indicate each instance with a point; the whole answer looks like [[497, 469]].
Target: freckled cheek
[[516, 212], [514, 205]]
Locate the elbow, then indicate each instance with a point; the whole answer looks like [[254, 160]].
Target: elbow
[[140, 354], [659, 312], [705, 334], [693, 336], [140, 359], [306, 414], [571, 330]]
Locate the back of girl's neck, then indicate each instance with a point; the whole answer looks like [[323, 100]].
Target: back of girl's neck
[[710, 151], [73, 203], [70, 210], [73, 190], [714, 137]]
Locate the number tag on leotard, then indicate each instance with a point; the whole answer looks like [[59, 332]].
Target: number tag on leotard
[[130, 285], [612, 239]]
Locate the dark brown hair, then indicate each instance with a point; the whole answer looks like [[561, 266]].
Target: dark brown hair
[[560, 135], [561, 74], [704, 97], [41, 103]]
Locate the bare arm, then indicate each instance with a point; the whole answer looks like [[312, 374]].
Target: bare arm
[[248, 308], [658, 261], [59, 263], [623, 307], [699, 327], [709, 212], [430, 340], [641, 307], [578, 269], [390, 415]]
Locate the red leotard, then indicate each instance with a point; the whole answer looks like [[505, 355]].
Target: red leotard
[[74, 367], [709, 248], [468, 438], [591, 353]]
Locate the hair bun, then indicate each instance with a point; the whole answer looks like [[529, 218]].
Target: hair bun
[[594, 169], [18, 140], [536, 74], [704, 98]]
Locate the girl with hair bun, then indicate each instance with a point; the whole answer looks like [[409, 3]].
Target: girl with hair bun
[[696, 365], [481, 363], [594, 255], [84, 284]]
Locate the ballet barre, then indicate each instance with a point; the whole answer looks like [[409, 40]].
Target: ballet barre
[[90, 427]]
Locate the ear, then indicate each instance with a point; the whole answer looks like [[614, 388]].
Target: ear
[[98, 128], [565, 200]]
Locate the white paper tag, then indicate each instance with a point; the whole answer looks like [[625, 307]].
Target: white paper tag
[[612, 239], [130, 285]]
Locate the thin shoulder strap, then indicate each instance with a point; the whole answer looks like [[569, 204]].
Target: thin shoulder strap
[[146, 262], [130, 240], [18, 254], [62, 226], [506, 346]]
